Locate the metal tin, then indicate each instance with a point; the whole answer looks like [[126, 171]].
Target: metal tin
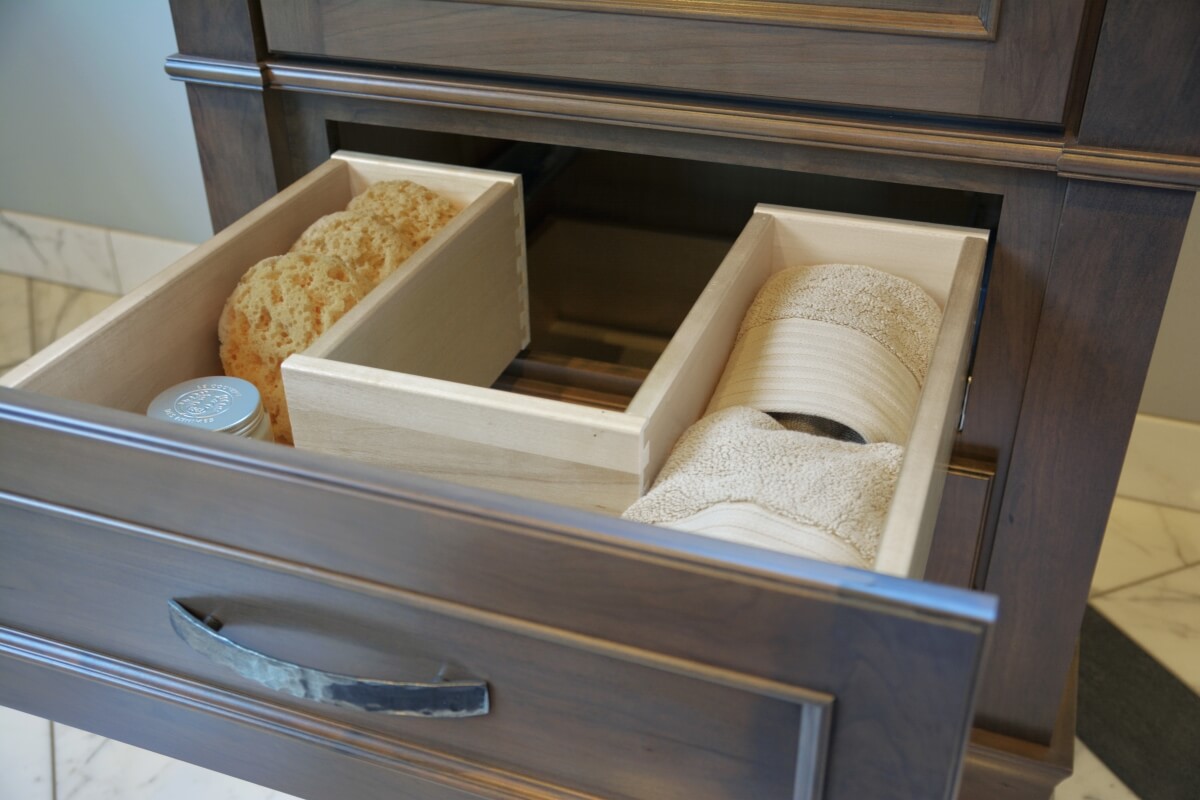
[[220, 404]]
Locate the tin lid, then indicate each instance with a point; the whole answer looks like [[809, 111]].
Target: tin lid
[[227, 405]]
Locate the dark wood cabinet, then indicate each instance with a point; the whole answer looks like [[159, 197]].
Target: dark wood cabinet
[[1010, 60], [627, 661]]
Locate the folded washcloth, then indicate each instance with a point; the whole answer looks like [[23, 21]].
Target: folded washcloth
[[741, 476], [837, 341]]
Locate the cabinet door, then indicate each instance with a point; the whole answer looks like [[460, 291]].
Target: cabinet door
[[986, 58], [622, 660]]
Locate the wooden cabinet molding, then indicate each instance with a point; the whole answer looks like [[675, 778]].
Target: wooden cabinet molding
[[961, 19], [967, 144]]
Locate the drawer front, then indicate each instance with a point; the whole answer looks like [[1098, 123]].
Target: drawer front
[[622, 660], [1010, 60], [579, 715]]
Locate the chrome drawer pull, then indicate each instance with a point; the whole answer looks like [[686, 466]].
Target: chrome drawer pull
[[440, 699]]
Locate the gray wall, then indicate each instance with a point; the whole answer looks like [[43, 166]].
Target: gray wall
[[1173, 385], [91, 128]]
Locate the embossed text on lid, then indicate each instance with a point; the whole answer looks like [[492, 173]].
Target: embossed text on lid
[[216, 403]]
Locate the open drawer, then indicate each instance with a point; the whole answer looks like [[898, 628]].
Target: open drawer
[[398, 381], [619, 660]]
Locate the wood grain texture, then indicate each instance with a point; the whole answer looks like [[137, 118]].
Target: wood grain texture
[[1030, 65], [1113, 261], [931, 75], [527, 446], [964, 19], [902, 712], [225, 29], [293, 753], [594, 719], [1012, 311], [239, 171], [1005, 768], [954, 554], [1137, 99]]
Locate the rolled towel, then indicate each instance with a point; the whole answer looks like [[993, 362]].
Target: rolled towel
[[739, 475], [836, 341]]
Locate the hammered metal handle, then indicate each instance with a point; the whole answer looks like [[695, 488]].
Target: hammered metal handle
[[438, 699]]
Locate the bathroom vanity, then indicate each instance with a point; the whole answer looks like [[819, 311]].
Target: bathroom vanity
[[565, 653]]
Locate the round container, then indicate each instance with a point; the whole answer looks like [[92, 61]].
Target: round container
[[221, 404]]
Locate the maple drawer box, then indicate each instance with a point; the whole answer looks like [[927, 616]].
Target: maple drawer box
[[391, 383], [405, 379]]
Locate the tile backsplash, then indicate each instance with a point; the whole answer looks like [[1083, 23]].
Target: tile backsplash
[[26, 771], [81, 256], [52, 250]]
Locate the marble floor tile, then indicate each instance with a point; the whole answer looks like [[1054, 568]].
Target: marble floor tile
[[1143, 541], [58, 309], [1092, 780], [90, 767], [54, 250], [16, 321], [139, 257], [1162, 464], [25, 768], [1163, 616]]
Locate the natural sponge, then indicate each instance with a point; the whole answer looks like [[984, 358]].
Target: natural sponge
[[368, 243], [417, 211], [280, 306]]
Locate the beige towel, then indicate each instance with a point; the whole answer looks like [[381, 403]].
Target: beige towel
[[844, 342], [741, 476]]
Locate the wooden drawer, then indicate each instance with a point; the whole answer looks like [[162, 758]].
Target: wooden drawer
[[374, 389], [621, 660], [985, 58], [403, 379]]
